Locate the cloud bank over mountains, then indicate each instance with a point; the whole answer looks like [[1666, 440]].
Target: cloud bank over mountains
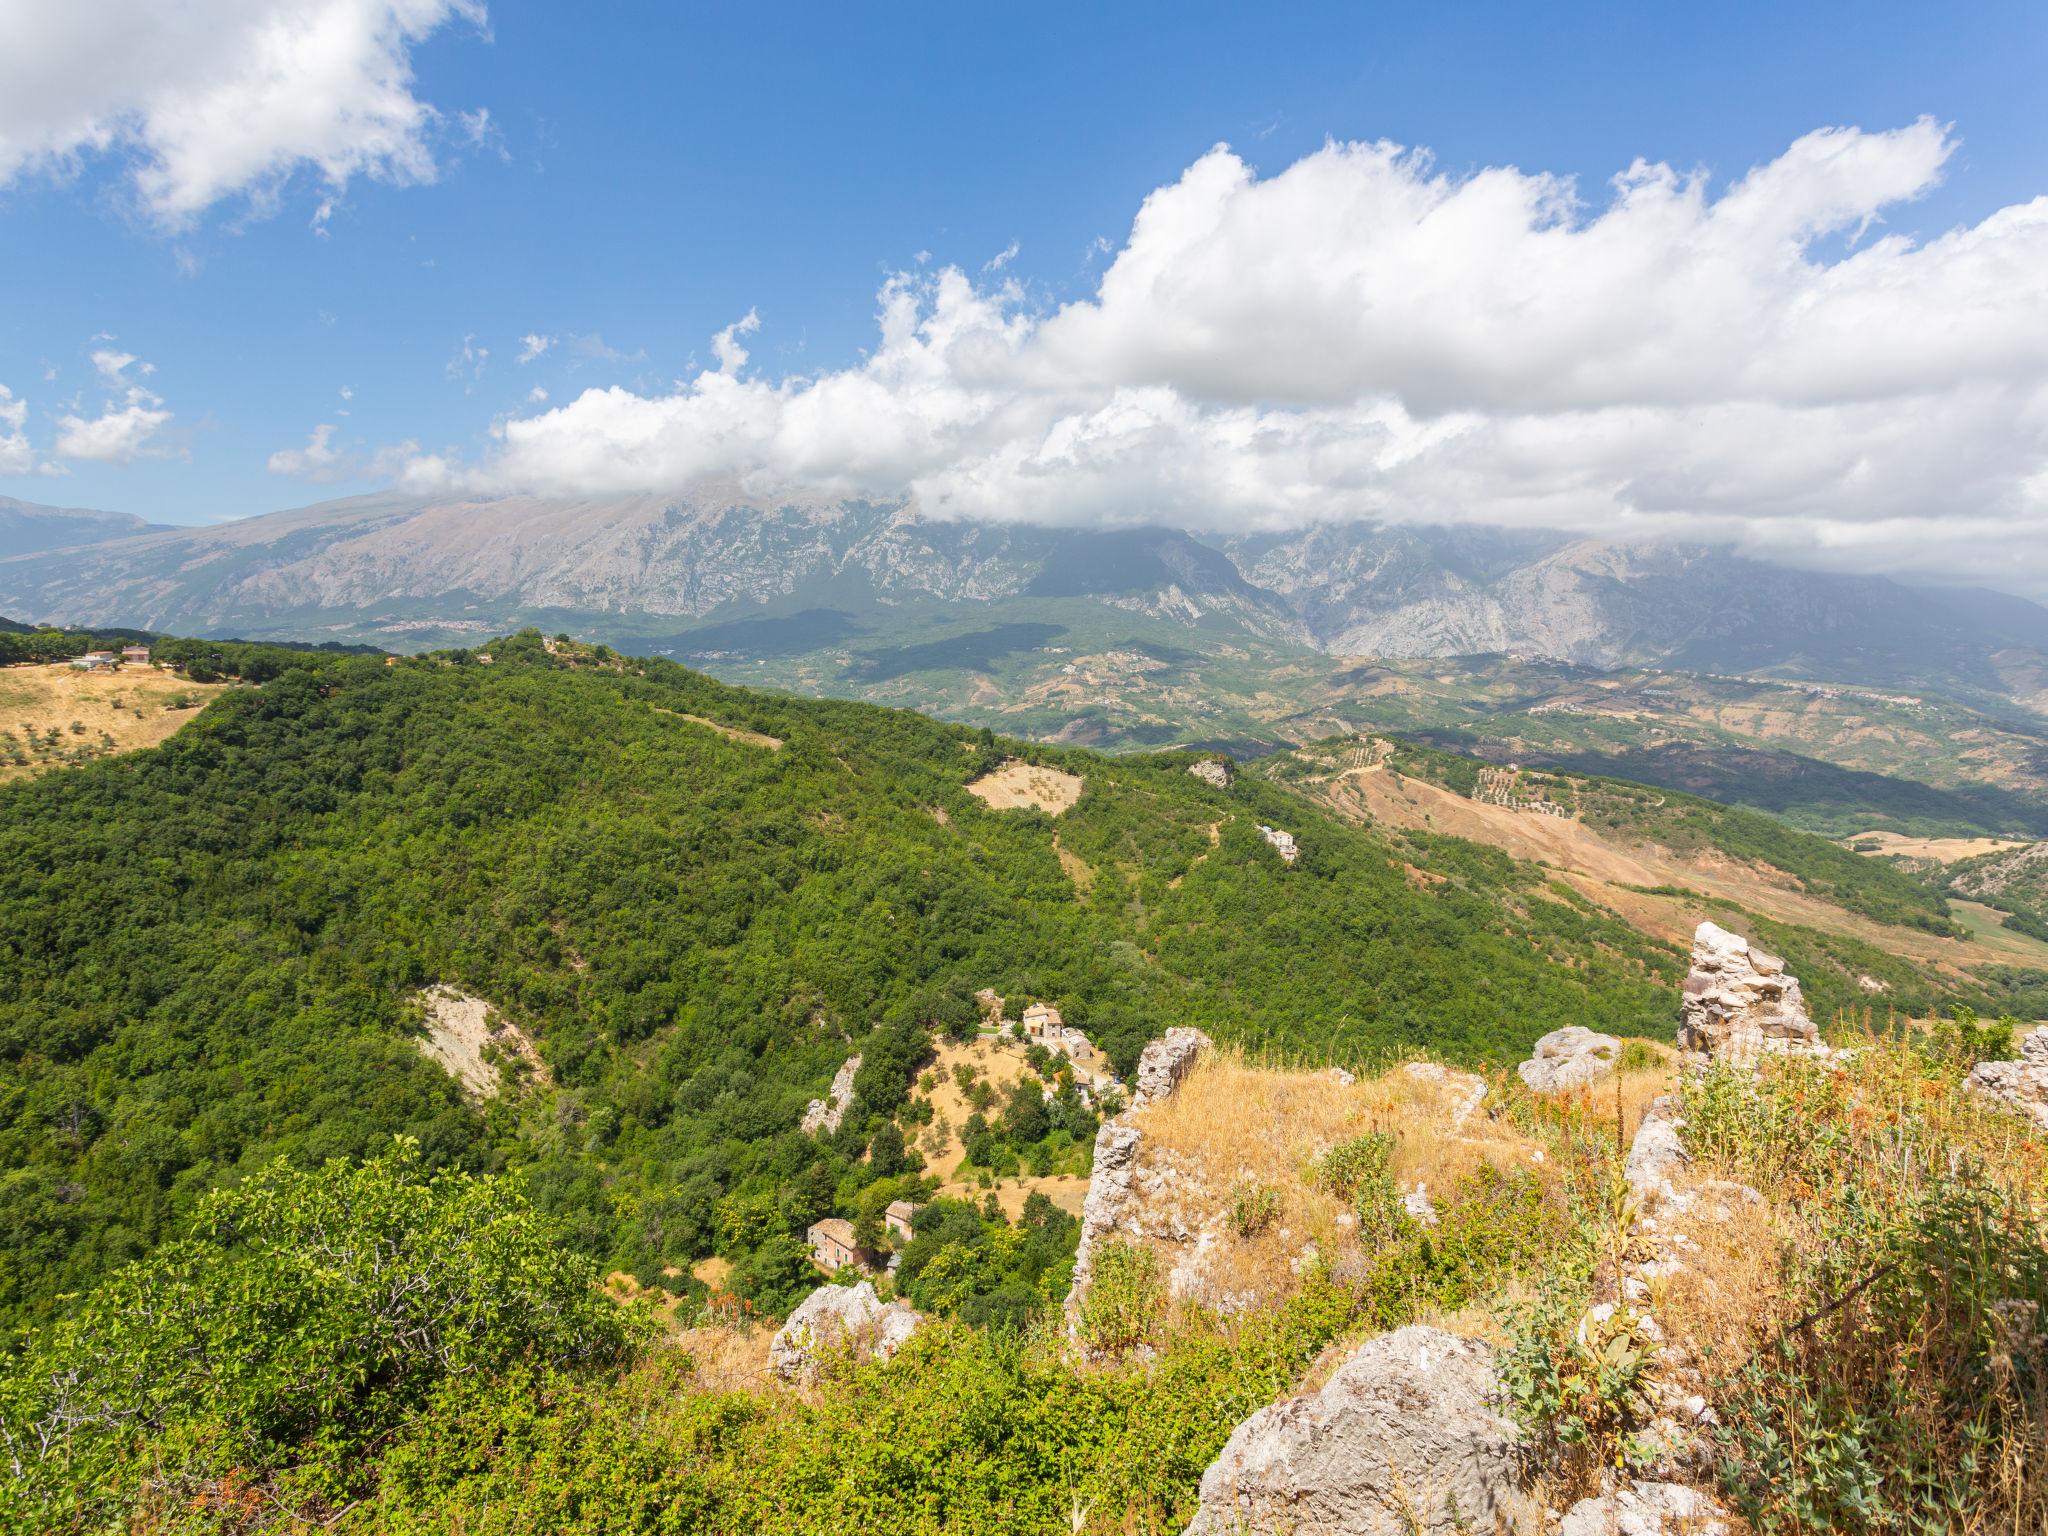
[[1362, 335]]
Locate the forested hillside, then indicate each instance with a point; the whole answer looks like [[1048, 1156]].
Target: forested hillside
[[210, 953]]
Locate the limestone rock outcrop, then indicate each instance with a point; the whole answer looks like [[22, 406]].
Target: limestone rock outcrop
[[1740, 1003], [1108, 1208], [1403, 1439], [826, 1113], [835, 1317], [1569, 1058], [2023, 1083], [1165, 1062], [1214, 770], [1648, 1509], [1654, 1157]]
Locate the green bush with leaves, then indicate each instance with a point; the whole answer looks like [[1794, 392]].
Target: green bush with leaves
[[305, 1317]]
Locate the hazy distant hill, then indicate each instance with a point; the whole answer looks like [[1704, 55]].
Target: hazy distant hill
[[427, 570], [26, 528]]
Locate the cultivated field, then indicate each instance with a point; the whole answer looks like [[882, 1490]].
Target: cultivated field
[[58, 716]]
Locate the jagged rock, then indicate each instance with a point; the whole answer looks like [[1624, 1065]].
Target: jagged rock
[[1648, 1509], [1102, 1212], [1166, 1061], [1214, 770], [1653, 1157], [826, 1113], [831, 1318], [1417, 1204], [2023, 1083], [1569, 1058], [1403, 1439], [1340, 1077], [1740, 1003]]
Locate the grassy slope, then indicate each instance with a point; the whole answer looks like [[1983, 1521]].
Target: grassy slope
[[206, 950]]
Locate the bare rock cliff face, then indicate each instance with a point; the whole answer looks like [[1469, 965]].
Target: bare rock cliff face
[[1111, 1199], [825, 1114]]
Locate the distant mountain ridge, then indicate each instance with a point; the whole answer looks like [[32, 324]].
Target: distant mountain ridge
[[387, 567], [27, 527]]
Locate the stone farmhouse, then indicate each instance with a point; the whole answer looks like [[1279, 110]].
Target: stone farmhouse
[[833, 1247]]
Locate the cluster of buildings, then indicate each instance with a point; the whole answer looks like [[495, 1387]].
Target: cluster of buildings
[[101, 661], [833, 1247]]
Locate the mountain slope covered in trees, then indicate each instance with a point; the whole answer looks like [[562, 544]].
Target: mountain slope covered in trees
[[211, 953]]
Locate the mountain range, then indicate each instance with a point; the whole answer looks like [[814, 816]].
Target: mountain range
[[410, 571]]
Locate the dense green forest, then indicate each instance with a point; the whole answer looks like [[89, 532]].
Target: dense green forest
[[210, 952]]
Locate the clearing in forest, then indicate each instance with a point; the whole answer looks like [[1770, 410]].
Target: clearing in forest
[[467, 1038], [59, 716], [1018, 784], [1946, 850], [730, 732], [999, 1064]]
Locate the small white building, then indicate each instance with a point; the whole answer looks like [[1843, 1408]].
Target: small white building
[[1283, 842], [94, 661]]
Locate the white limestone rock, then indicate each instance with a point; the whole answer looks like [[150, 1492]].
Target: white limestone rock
[[1403, 1441], [1213, 770], [2023, 1084], [837, 1317], [825, 1114], [1740, 1003], [1166, 1061], [1654, 1158], [1648, 1509], [1569, 1058]]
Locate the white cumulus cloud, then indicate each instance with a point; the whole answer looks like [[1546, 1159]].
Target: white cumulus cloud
[[210, 99], [322, 459], [1771, 360], [16, 457], [118, 435]]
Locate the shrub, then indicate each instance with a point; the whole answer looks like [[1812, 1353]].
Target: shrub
[[307, 1314], [1253, 1206], [1124, 1305], [1581, 1386]]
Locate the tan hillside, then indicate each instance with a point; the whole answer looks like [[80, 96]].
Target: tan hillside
[[1604, 869], [1017, 785], [120, 710]]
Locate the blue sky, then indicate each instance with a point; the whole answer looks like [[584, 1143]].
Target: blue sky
[[650, 174]]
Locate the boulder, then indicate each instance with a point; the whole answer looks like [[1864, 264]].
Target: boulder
[[1654, 1157], [1404, 1439], [826, 1113], [2023, 1084], [1739, 1003], [1648, 1509], [1166, 1061], [1213, 770], [836, 1317], [1569, 1058]]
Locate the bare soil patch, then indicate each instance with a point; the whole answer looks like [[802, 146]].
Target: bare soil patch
[[729, 732], [119, 710], [469, 1039], [1019, 785], [999, 1065], [1946, 850]]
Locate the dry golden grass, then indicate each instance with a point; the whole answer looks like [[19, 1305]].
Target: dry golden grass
[[999, 1065], [132, 705], [729, 732], [1018, 784], [729, 1358], [1234, 1127]]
